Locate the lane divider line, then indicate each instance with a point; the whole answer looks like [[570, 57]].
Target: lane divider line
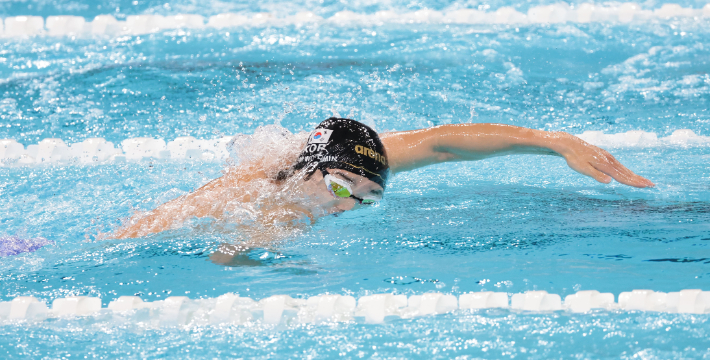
[[372, 309], [98, 150], [107, 25]]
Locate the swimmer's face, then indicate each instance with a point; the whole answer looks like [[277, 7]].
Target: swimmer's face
[[328, 203]]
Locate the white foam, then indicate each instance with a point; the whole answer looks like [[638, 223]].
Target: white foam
[[24, 26], [283, 310]]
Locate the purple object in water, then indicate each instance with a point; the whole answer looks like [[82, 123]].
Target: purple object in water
[[13, 245]]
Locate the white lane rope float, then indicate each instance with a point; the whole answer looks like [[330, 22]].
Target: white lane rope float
[[108, 25], [98, 150], [374, 309]]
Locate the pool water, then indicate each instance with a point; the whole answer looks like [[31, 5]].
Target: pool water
[[634, 80]]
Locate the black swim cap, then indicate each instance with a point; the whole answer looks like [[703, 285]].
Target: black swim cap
[[345, 144]]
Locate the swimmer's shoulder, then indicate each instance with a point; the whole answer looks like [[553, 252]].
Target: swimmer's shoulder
[[409, 149]]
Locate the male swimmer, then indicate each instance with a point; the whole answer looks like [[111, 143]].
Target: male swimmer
[[345, 165]]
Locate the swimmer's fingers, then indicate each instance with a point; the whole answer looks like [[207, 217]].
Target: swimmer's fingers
[[585, 168], [607, 164], [598, 163]]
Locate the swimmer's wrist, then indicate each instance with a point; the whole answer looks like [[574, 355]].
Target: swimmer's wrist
[[538, 142], [561, 143]]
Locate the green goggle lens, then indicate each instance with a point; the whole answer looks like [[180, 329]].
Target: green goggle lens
[[339, 190]]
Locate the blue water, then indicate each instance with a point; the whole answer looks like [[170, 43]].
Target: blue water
[[506, 224]]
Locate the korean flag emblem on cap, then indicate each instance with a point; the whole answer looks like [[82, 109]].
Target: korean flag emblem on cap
[[320, 136]]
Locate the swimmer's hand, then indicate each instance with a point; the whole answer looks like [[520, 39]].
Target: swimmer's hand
[[595, 162]]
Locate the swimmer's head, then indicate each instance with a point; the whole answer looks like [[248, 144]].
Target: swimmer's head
[[345, 144]]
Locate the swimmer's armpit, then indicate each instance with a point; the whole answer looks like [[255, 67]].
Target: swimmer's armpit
[[408, 150]]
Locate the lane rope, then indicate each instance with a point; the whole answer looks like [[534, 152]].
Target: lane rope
[[98, 150], [108, 25], [374, 309]]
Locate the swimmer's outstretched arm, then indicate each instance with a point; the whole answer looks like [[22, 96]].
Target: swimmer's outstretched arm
[[408, 150]]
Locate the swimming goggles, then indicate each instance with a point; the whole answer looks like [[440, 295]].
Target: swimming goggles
[[342, 189]]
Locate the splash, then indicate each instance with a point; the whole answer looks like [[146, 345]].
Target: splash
[[248, 204], [272, 148], [13, 245]]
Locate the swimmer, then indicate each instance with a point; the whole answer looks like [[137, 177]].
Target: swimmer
[[345, 165]]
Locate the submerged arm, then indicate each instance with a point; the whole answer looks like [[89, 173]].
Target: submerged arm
[[408, 150], [208, 201], [172, 213]]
